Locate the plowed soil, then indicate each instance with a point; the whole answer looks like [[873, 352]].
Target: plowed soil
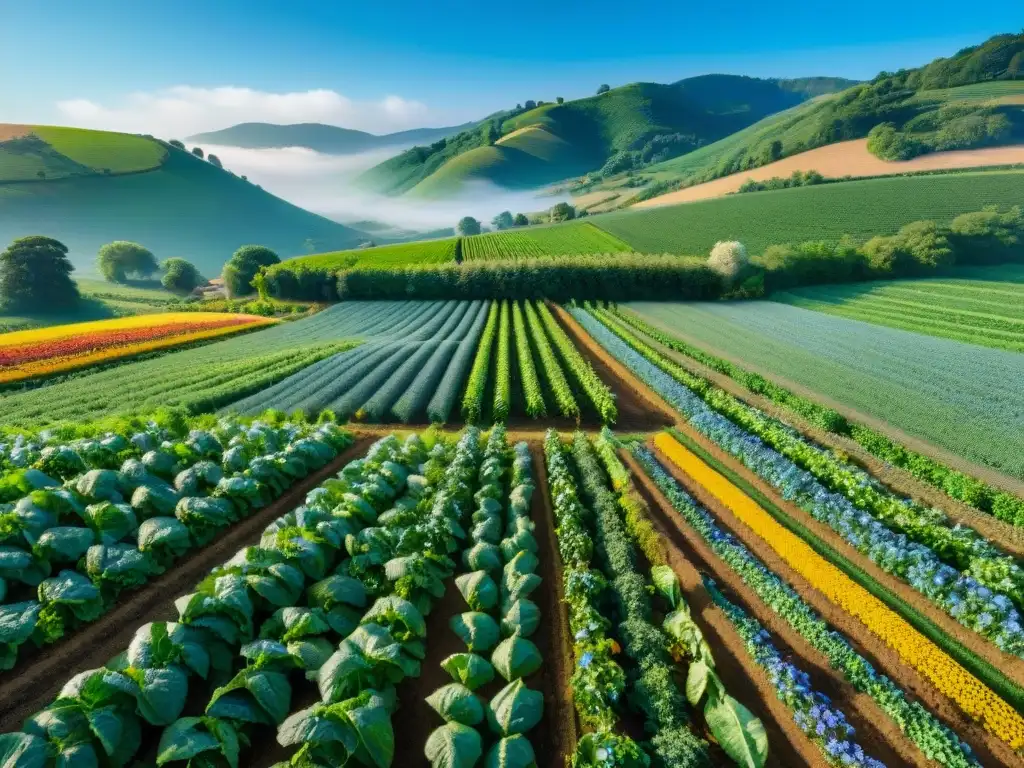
[[990, 750], [846, 158], [31, 686]]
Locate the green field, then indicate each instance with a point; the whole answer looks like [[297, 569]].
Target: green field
[[186, 208], [103, 151], [962, 397], [826, 212], [397, 254], [997, 89], [980, 306], [578, 237]]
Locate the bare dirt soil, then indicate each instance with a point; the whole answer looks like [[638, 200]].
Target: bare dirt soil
[[990, 750], [31, 686], [846, 158], [10, 131]]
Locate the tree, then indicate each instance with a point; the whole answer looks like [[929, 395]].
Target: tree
[[530, 104], [728, 258], [503, 220], [214, 160], [35, 276], [180, 276], [603, 88], [490, 132], [520, 220], [919, 247], [121, 258], [243, 265], [559, 99], [176, 143], [467, 226], [197, 151], [562, 212]]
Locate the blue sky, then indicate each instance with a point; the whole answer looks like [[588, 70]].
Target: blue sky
[[167, 67]]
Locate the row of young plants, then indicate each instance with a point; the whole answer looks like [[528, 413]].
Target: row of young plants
[[973, 604], [448, 388], [403, 558], [580, 370], [654, 692], [598, 682], [532, 394], [503, 368], [960, 546], [741, 735], [502, 554], [957, 485], [949, 676], [554, 377], [249, 629], [107, 530], [473, 399], [932, 737]]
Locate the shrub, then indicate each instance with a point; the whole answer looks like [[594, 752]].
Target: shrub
[[728, 258]]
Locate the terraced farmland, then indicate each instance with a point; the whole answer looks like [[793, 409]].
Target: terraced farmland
[[858, 208], [980, 306]]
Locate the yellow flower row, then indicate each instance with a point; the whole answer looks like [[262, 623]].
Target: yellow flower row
[[155, 320], [969, 693], [74, 362]]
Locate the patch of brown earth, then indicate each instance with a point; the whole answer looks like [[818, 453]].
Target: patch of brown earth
[[990, 750], [10, 131], [31, 686], [845, 158]]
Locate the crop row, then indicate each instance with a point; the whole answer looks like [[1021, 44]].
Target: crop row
[[104, 530], [981, 597], [957, 485], [251, 630], [577, 238]]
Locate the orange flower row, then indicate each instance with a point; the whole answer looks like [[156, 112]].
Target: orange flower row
[[66, 363], [970, 694]]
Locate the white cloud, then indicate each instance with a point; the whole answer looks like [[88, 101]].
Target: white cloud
[[184, 110]]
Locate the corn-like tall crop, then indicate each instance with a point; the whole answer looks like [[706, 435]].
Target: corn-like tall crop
[[532, 393], [552, 370], [472, 402], [503, 368], [597, 392]]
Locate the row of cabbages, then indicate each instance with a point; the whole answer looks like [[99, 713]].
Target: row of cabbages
[[503, 556], [94, 517], [265, 620]]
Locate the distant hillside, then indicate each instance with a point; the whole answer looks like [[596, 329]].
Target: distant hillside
[[627, 127], [87, 188], [972, 99], [329, 139]]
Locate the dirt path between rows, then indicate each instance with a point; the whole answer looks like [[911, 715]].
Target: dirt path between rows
[[1009, 537], [989, 749], [980, 471], [30, 687], [689, 556]]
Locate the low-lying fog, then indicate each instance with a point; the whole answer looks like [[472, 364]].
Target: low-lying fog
[[324, 184]]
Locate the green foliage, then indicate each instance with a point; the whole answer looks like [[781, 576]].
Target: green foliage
[[503, 220], [562, 212], [35, 275], [578, 238], [918, 248], [521, 220], [553, 375], [503, 368], [466, 226], [117, 260], [243, 265], [797, 179], [472, 401]]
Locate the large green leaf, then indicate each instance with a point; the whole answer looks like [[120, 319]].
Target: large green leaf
[[515, 709], [192, 736], [667, 584], [469, 669], [254, 695], [453, 745], [516, 657], [457, 703], [739, 733], [478, 590], [696, 681], [477, 630], [522, 618], [64, 544], [511, 752], [20, 750]]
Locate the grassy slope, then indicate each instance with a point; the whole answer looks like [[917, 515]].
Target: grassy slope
[[419, 252], [574, 238], [981, 305], [962, 397], [578, 136], [858, 208], [104, 151], [185, 208]]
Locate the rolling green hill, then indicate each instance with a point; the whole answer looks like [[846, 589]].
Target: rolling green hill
[[329, 139], [97, 187], [972, 99], [629, 126]]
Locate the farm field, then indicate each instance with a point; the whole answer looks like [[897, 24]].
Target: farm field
[[861, 209], [422, 252], [984, 305], [39, 353], [960, 397], [576, 238]]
